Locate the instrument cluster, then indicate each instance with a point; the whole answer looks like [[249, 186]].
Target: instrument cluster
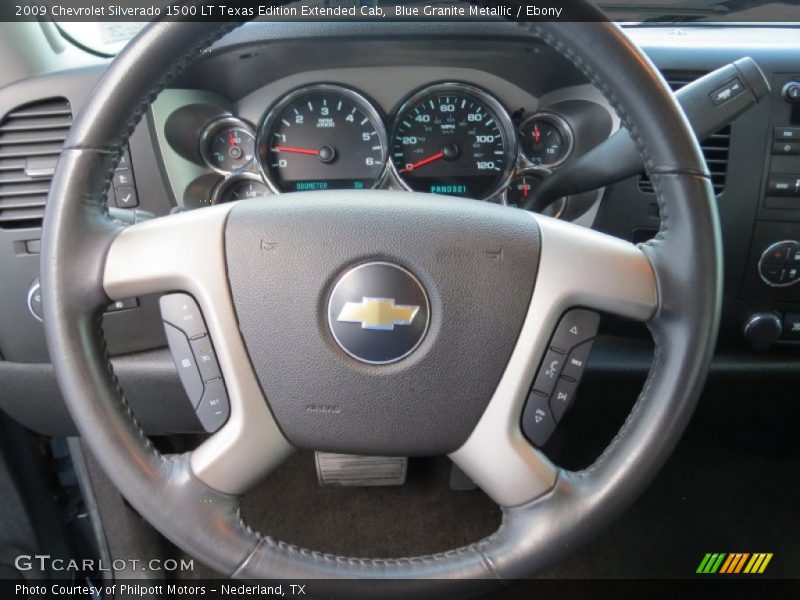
[[448, 138]]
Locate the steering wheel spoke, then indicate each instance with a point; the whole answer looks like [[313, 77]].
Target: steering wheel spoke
[[578, 267], [185, 252], [470, 327]]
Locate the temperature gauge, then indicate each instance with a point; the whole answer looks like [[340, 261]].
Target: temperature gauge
[[520, 190], [545, 139], [228, 145]]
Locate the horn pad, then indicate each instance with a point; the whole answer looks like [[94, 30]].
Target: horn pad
[[379, 322]]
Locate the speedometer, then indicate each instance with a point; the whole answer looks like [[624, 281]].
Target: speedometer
[[322, 137], [453, 139]]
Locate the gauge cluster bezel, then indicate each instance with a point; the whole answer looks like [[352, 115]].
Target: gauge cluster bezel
[[276, 110], [223, 185], [501, 113], [563, 128], [516, 162], [212, 129], [536, 170]]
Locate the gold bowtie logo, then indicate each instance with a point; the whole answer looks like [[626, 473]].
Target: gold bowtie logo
[[378, 313]]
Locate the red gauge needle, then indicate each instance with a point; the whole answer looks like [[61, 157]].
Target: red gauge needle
[[309, 151], [525, 188], [537, 135], [232, 139], [423, 162]]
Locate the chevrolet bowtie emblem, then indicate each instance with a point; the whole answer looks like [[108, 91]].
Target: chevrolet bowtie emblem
[[378, 313]]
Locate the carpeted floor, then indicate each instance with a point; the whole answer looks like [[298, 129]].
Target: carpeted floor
[[732, 485]]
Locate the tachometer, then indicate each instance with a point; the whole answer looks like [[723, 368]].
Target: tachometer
[[453, 139], [322, 137]]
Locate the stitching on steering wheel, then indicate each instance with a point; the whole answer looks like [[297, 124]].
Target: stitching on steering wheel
[[116, 150], [477, 547]]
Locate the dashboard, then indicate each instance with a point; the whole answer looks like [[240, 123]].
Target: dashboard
[[478, 111]]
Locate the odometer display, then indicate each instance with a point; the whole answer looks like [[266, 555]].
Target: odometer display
[[322, 137], [453, 139]]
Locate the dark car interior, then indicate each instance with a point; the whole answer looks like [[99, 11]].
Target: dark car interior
[[528, 213]]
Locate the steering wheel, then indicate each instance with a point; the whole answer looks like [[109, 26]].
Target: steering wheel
[[492, 284]]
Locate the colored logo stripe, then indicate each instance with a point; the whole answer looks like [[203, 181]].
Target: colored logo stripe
[[733, 563], [710, 563], [758, 563]]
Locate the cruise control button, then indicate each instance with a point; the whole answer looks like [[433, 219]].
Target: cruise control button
[[537, 421], [562, 398], [214, 409], [575, 327], [182, 311], [184, 361], [575, 364], [206, 358], [548, 372]]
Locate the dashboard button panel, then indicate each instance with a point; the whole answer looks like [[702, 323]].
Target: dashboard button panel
[[194, 357], [559, 375]]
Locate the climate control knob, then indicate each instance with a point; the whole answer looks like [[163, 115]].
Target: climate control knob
[[763, 329], [779, 265]]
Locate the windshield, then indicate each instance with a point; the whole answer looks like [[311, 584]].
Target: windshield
[[107, 37], [670, 11]]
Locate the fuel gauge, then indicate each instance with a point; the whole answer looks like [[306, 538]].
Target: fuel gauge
[[239, 187], [227, 145]]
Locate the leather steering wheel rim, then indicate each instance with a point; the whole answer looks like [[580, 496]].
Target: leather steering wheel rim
[[686, 264]]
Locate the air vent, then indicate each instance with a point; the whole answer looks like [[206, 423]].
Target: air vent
[[715, 147], [31, 138]]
